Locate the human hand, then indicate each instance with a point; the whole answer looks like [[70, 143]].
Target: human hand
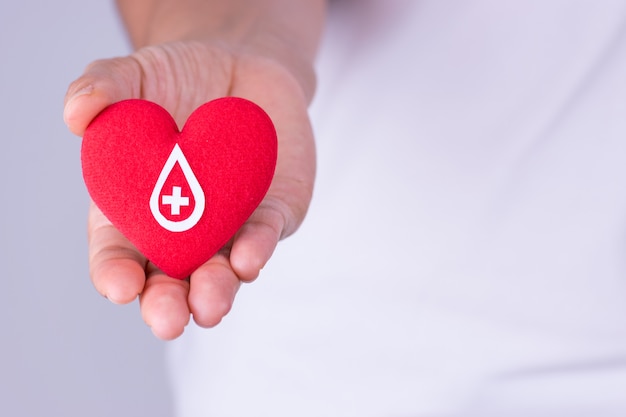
[[180, 76]]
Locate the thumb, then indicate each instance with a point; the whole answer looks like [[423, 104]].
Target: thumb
[[104, 82]]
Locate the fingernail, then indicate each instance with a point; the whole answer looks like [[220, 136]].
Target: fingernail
[[70, 102], [81, 92]]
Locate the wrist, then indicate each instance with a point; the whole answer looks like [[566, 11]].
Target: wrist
[[284, 33]]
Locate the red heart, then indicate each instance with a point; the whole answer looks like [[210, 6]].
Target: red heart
[[179, 196]]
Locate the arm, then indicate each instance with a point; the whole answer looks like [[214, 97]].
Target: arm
[[189, 52]]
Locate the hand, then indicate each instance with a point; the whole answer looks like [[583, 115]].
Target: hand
[[180, 76]]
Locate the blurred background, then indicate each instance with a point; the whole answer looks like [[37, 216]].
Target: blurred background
[[65, 350]]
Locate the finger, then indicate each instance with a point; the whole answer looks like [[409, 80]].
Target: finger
[[104, 82], [256, 240], [164, 304], [213, 289], [116, 267], [287, 201]]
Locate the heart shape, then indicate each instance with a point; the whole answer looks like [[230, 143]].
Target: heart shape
[[179, 196]]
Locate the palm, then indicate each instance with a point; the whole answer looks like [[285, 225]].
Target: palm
[[180, 77]]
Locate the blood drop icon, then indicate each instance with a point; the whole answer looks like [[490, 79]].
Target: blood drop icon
[[174, 195]]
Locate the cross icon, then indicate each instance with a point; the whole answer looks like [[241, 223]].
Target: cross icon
[[175, 201]]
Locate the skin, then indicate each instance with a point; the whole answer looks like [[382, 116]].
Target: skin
[[188, 52]]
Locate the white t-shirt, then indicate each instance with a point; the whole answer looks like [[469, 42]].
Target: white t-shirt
[[465, 252]]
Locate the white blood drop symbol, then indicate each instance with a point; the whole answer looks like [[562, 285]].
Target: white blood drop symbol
[[177, 226]]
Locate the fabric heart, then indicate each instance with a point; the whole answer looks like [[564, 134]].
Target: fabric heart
[[179, 196]]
